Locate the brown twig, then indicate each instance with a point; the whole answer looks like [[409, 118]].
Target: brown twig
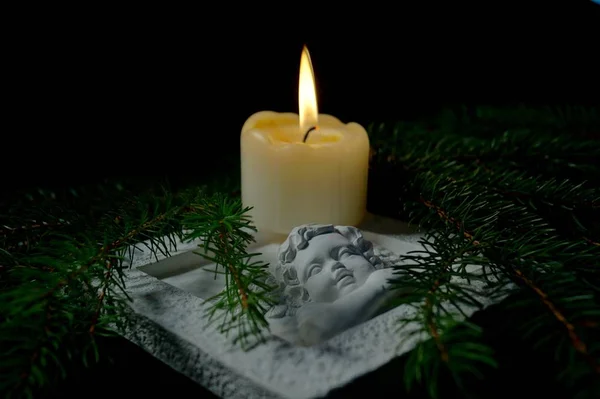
[[591, 241], [6, 230], [107, 275], [103, 251], [448, 219], [578, 344], [431, 324], [428, 303], [235, 274]]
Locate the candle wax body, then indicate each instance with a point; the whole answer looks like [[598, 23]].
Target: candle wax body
[[289, 182]]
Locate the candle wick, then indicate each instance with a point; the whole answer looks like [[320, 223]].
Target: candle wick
[[309, 130]]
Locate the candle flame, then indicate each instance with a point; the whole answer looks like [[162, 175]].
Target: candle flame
[[307, 96]]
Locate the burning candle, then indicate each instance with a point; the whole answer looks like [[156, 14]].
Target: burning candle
[[303, 168]]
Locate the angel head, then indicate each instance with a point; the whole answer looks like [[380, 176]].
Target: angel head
[[321, 263]]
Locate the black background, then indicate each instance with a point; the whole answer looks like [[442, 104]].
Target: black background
[[115, 92]]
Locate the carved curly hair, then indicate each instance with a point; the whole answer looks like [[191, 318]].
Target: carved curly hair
[[285, 275]]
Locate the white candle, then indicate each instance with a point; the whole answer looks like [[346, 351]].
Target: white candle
[[289, 181]]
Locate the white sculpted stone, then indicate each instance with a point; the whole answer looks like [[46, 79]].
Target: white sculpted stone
[[329, 280]]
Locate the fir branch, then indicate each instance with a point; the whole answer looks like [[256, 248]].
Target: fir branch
[[34, 224], [483, 120], [428, 307], [225, 230], [439, 300], [68, 287], [489, 206], [578, 344], [105, 286]]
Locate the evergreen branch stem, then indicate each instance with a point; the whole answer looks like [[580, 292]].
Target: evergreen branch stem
[[223, 226], [234, 273], [107, 279], [577, 343], [431, 323], [6, 230], [106, 250], [448, 219]]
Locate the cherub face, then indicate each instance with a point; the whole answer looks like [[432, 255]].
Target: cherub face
[[330, 267]]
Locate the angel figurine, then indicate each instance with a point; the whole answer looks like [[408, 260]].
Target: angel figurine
[[329, 279]]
